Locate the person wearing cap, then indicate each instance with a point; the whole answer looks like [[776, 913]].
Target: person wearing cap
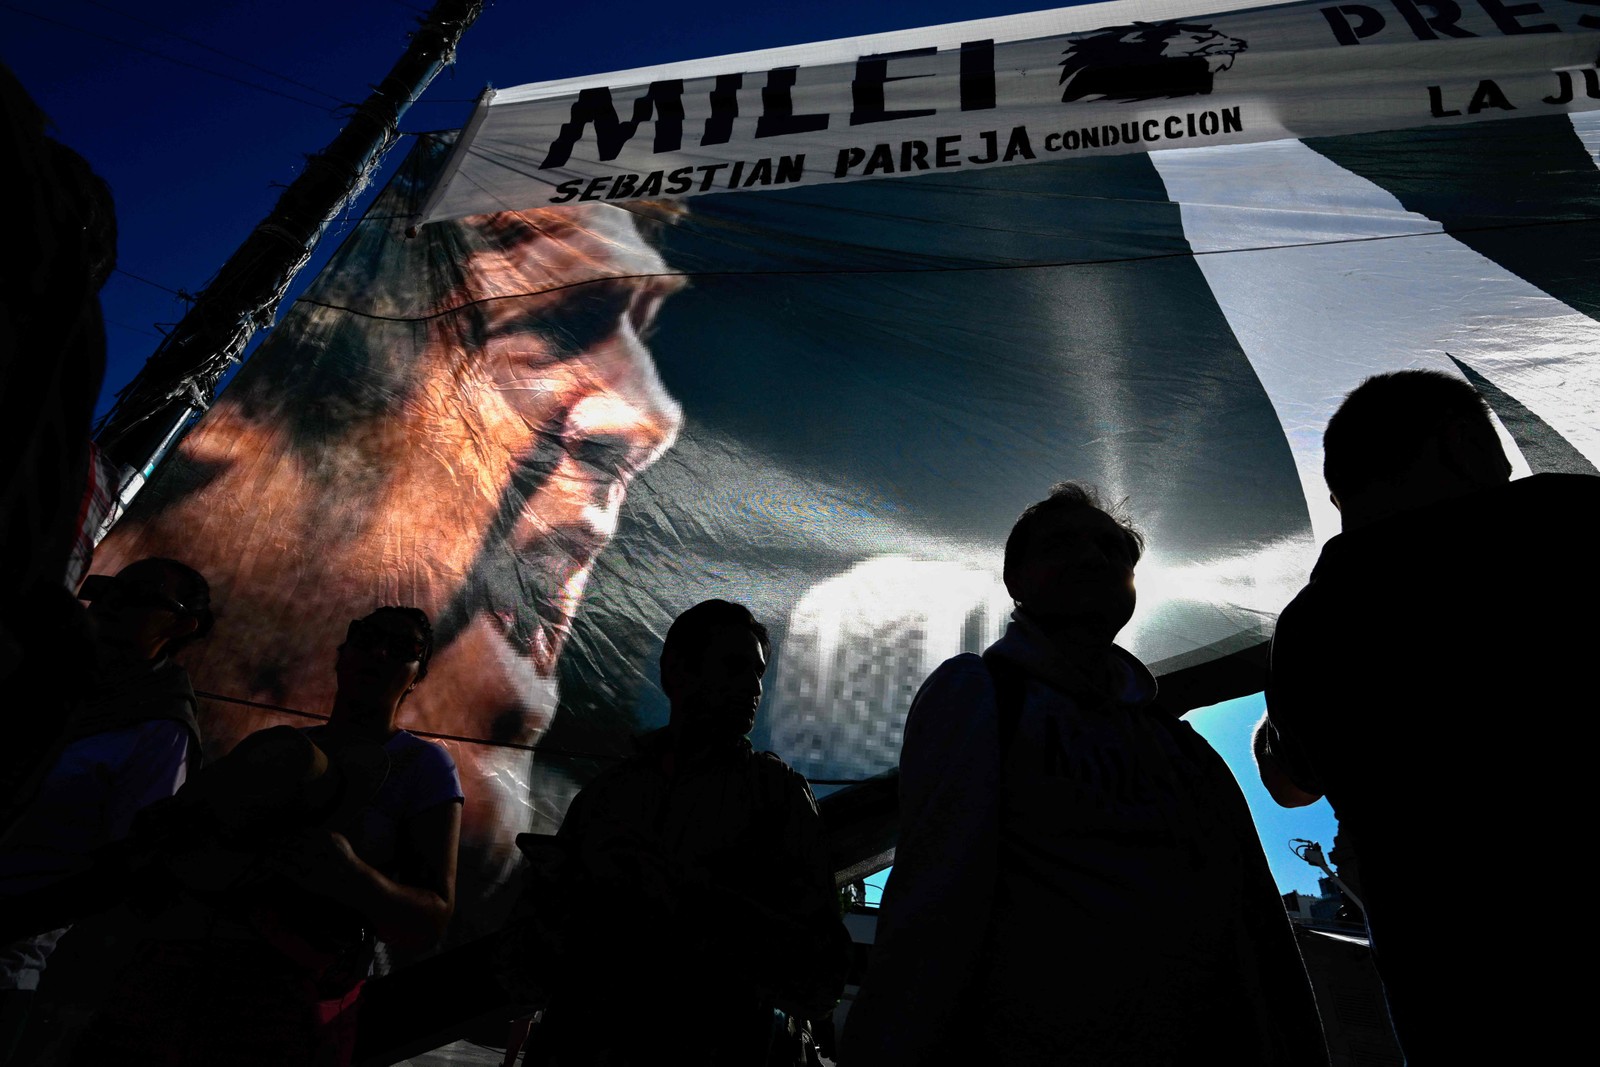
[[128, 741]]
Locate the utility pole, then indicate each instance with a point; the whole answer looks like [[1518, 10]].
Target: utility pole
[[180, 379]]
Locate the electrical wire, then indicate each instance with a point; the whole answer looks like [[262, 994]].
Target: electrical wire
[[132, 328], [543, 750], [162, 55], [211, 48], [961, 268], [128, 273], [609, 757]]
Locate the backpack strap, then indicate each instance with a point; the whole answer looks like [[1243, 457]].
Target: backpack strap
[[1010, 689]]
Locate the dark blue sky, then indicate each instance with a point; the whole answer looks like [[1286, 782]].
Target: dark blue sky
[[195, 159]]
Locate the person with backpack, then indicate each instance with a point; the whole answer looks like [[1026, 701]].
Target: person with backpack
[[1078, 879]]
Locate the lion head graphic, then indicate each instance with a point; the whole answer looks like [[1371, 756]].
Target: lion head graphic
[[1145, 60]]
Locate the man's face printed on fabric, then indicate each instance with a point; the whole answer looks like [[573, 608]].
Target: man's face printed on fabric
[[475, 471]]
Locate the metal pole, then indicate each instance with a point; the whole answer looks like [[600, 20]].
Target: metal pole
[[181, 377]]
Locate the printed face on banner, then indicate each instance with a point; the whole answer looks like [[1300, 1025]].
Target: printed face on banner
[[567, 409], [469, 458]]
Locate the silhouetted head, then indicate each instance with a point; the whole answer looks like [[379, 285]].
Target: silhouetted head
[[383, 657], [1069, 563], [89, 200], [83, 216], [151, 607], [1407, 439], [712, 663]]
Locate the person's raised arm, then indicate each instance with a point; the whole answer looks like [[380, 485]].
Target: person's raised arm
[[410, 910]]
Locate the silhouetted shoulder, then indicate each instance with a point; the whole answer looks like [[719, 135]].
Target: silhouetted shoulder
[[783, 777], [772, 763], [621, 774], [1578, 492], [966, 665], [960, 672], [428, 771], [1299, 612], [955, 687], [422, 751]]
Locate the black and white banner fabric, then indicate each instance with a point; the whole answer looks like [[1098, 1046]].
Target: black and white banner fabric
[[1130, 76]]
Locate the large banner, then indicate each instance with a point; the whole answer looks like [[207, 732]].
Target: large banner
[[555, 428], [1129, 76]]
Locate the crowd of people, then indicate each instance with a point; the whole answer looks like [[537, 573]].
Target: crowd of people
[[1049, 816], [687, 909], [1049, 813]]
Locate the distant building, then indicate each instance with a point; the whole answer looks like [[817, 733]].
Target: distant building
[[1338, 956], [857, 648], [1331, 907]]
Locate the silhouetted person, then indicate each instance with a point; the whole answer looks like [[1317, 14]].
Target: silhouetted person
[[127, 741], [293, 856], [52, 358], [1429, 681], [1078, 879], [707, 893]]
